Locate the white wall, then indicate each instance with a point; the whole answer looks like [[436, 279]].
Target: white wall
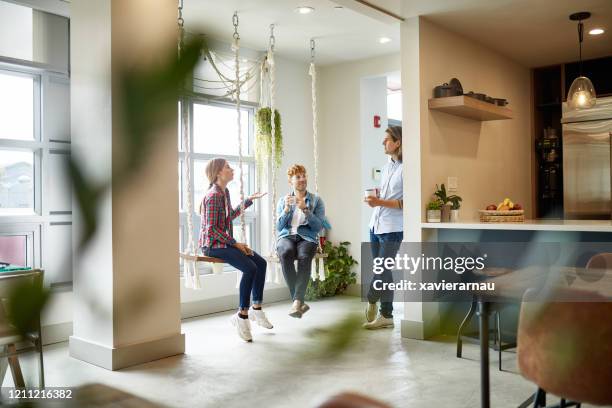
[[33, 35], [339, 88], [373, 102], [492, 160]]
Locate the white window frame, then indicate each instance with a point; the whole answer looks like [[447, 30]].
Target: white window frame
[[36, 225], [252, 218]]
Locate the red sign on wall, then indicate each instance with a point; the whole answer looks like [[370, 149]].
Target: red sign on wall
[[376, 121]]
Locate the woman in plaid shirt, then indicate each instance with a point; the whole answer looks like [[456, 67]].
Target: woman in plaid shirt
[[216, 240]]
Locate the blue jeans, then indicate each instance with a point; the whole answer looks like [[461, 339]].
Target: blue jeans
[[384, 246], [253, 270]]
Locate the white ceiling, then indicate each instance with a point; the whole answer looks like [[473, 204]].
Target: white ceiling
[[341, 35], [532, 32]]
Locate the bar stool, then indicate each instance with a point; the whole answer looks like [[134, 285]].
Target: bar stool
[[566, 349], [495, 311]]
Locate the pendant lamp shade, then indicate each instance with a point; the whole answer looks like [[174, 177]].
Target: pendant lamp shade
[[581, 94]]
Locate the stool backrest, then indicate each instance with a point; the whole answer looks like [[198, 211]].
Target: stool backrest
[[9, 281], [566, 348]]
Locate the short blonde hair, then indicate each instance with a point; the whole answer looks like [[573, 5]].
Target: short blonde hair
[[295, 170]]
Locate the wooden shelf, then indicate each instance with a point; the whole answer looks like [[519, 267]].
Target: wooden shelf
[[470, 108]]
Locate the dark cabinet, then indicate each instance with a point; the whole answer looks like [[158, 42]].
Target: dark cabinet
[[550, 86]]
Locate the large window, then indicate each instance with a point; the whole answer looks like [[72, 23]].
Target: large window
[[19, 102], [215, 134]]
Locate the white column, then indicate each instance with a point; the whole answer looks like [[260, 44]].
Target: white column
[[421, 319], [126, 283]]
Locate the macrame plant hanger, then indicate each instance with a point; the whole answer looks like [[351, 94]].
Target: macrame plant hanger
[[271, 69], [318, 264]]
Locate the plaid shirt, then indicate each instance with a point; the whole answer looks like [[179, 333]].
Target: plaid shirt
[[216, 227]]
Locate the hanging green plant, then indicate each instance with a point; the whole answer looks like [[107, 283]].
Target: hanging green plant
[[263, 141]]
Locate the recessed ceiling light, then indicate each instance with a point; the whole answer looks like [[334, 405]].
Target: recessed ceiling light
[[596, 31], [384, 40], [304, 9]]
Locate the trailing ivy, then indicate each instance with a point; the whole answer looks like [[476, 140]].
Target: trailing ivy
[[263, 141]]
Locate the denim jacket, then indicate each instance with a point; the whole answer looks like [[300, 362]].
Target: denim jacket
[[315, 219]]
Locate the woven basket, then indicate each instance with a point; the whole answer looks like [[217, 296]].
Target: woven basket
[[502, 216]]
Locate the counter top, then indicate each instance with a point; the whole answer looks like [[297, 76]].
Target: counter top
[[528, 225]]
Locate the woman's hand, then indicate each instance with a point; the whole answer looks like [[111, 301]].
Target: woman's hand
[[372, 201], [256, 195], [244, 248]]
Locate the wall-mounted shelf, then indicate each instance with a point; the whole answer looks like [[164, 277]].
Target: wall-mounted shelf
[[470, 108]]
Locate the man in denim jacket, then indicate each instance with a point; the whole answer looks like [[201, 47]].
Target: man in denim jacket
[[300, 218]]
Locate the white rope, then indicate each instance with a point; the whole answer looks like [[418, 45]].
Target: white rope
[[192, 277], [236, 48], [190, 271], [312, 71], [272, 69]]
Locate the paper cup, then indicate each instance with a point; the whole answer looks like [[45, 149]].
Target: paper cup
[[371, 192]]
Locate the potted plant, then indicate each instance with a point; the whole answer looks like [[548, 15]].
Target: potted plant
[[434, 210], [448, 202], [263, 139], [339, 270], [455, 205]]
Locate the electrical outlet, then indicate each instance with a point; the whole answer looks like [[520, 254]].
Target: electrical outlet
[[452, 184]]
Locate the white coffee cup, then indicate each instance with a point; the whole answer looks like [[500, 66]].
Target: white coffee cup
[[371, 192]]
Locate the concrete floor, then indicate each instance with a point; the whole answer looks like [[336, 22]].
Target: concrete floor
[[283, 366]]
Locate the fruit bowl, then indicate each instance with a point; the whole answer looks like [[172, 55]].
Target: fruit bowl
[[502, 216]]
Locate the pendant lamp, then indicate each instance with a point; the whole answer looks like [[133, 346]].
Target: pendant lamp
[[581, 94]]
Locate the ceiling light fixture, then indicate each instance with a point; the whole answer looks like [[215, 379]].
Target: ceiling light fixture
[[581, 94], [597, 31], [304, 9], [384, 40]]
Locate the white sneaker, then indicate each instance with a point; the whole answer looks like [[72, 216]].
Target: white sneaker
[[379, 323], [370, 312], [243, 326], [304, 308], [296, 309], [260, 317]]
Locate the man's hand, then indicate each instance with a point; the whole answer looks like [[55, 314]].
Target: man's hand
[[289, 201], [372, 201], [301, 203]]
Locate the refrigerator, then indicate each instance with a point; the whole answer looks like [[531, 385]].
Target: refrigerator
[[587, 154]]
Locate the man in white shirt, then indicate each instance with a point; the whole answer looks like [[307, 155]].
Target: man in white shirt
[[300, 217]]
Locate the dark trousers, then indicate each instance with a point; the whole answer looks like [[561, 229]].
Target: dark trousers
[[384, 246], [289, 249], [253, 270]]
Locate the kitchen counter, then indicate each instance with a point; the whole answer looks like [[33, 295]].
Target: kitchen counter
[[528, 225]]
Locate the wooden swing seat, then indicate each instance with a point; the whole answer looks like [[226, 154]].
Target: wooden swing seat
[[274, 258], [200, 258]]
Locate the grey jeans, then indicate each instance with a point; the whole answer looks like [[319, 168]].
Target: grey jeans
[[290, 249]]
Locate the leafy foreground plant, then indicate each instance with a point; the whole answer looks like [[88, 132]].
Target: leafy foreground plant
[[339, 270]]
